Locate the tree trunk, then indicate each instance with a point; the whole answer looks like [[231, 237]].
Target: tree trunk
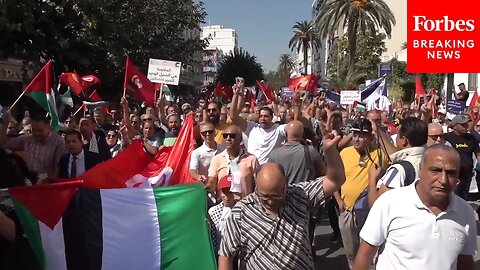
[[352, 42], [305, 57]]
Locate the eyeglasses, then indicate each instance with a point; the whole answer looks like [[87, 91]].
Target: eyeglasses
[[198, 115], [435, 137], [209, 132], [231, 135], [271, 197], [111, 135], [147, 119]]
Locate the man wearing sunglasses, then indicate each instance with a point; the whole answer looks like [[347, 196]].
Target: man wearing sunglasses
[[270, 226], [466, 145], [235, 162], [202, 156], [435, 134]]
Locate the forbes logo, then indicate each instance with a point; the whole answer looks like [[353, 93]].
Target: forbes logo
[[447, 25]]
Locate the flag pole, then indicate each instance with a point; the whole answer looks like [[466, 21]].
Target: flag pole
[[78, 110], [16, 101]]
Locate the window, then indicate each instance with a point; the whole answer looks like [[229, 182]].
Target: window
[[214, 34], [472, 81]]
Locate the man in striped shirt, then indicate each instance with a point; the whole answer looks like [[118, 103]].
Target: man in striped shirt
[[269, 228]]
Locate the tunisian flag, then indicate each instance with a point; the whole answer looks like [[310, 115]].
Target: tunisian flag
[[306, 83], [133, 167], [267, 91], [138, 84], [223, 90], [78, 84]]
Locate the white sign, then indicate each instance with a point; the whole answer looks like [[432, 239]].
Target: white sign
[[348, 97], [164, 71]]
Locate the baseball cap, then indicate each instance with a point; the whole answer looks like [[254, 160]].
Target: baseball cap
[[186, 106], [460, 119], [362, 125], [442, 111], [225, 182]]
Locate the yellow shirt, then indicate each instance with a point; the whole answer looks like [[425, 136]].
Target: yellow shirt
[[219, 128], [356, 176]]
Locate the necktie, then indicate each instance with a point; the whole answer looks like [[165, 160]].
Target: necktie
[[73, 167]]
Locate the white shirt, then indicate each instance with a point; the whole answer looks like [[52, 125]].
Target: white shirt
[[80, 162], [413, 237], [202, 156], [262, 141]]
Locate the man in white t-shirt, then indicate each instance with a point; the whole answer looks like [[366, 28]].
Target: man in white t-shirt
[[424, 225], [264, 136]]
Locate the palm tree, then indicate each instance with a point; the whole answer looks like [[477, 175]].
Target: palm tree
[[285, 67], [355, 15], [346, 80], [305, 37], [240, 63]]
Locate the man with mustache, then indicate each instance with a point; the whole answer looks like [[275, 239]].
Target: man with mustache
[[424, 225]]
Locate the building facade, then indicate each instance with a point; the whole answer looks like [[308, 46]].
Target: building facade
[[220, 38]]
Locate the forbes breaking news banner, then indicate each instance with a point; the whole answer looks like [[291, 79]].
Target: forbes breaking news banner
[[443, 36]]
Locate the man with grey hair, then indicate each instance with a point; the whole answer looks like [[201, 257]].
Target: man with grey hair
[[425, 219]]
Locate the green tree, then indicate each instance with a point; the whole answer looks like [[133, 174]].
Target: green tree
[[285, 67], [305, 37], [357, 16], [273, 79], [94, 36], [370, 47], [240, 63]]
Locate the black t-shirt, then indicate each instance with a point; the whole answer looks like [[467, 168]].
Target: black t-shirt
[[466, 146]]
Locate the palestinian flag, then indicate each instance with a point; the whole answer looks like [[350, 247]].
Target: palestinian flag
[[91, 106], [131, 228], [41, 90], [67, 99]]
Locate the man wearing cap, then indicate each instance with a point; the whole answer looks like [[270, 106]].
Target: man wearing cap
[[466, 145], [463, 94], [352, 198], [220, 212], [186, 108], [442, 119]]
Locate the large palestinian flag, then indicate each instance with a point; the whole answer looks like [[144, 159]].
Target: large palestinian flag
[[130, 228]]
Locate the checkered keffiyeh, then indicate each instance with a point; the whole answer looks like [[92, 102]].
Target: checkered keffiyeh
[[94, 145]]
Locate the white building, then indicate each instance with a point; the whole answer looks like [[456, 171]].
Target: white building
[[220, 38], [319, 55]]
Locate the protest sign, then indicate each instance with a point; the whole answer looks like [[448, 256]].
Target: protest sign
[[347, 97], [456, 106], [164, 71]]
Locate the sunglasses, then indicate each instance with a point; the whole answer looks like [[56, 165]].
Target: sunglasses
[[147, 119], [111, 135], [211, 110], [435, 137], [231, 135], [209, 132]]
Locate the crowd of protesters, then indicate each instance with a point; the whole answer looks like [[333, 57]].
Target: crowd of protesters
[[395, 183]]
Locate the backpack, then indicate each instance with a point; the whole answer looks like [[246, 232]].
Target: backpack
[[410, 174]]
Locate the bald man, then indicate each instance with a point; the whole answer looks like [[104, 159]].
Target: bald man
[[270, 226], [435, 134], [300, 162]]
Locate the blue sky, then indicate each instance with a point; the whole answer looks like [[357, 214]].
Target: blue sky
[[264, 27]]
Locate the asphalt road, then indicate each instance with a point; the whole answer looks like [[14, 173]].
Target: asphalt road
[[331, 256]]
